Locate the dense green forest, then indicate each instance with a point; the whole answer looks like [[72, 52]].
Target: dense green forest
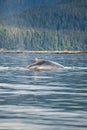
[[60, 26]]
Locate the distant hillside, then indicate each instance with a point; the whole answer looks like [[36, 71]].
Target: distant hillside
[[11, 6], [69, 16], [60, 26]]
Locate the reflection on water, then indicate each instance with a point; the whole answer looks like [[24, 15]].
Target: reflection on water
[[43, 100]]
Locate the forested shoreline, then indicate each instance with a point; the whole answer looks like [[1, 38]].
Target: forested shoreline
[[54, 27]]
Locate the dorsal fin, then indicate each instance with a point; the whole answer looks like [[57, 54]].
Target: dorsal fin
[[38, 59]]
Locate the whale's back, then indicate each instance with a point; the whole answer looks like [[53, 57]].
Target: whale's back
[[44, 65]]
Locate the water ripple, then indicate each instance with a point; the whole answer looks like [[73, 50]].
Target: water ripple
[[55, 100]]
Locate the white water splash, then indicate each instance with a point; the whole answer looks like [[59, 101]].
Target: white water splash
[[76, 68], [2, 68]]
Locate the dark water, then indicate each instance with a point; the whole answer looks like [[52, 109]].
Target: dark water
[[54, 100]]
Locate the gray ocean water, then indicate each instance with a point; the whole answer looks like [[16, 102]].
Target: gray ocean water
[[54, 100]]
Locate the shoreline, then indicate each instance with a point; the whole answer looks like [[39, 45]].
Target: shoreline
[[43, 52]]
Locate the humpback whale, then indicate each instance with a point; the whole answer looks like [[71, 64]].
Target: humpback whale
[[41, 64]]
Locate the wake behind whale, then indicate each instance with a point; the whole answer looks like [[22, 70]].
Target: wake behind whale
[[41, 64]]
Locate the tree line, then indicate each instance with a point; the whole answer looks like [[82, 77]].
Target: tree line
[[12, 38], [60, 26]]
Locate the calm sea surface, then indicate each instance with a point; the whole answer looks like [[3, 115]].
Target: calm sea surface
[[51, 100]]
